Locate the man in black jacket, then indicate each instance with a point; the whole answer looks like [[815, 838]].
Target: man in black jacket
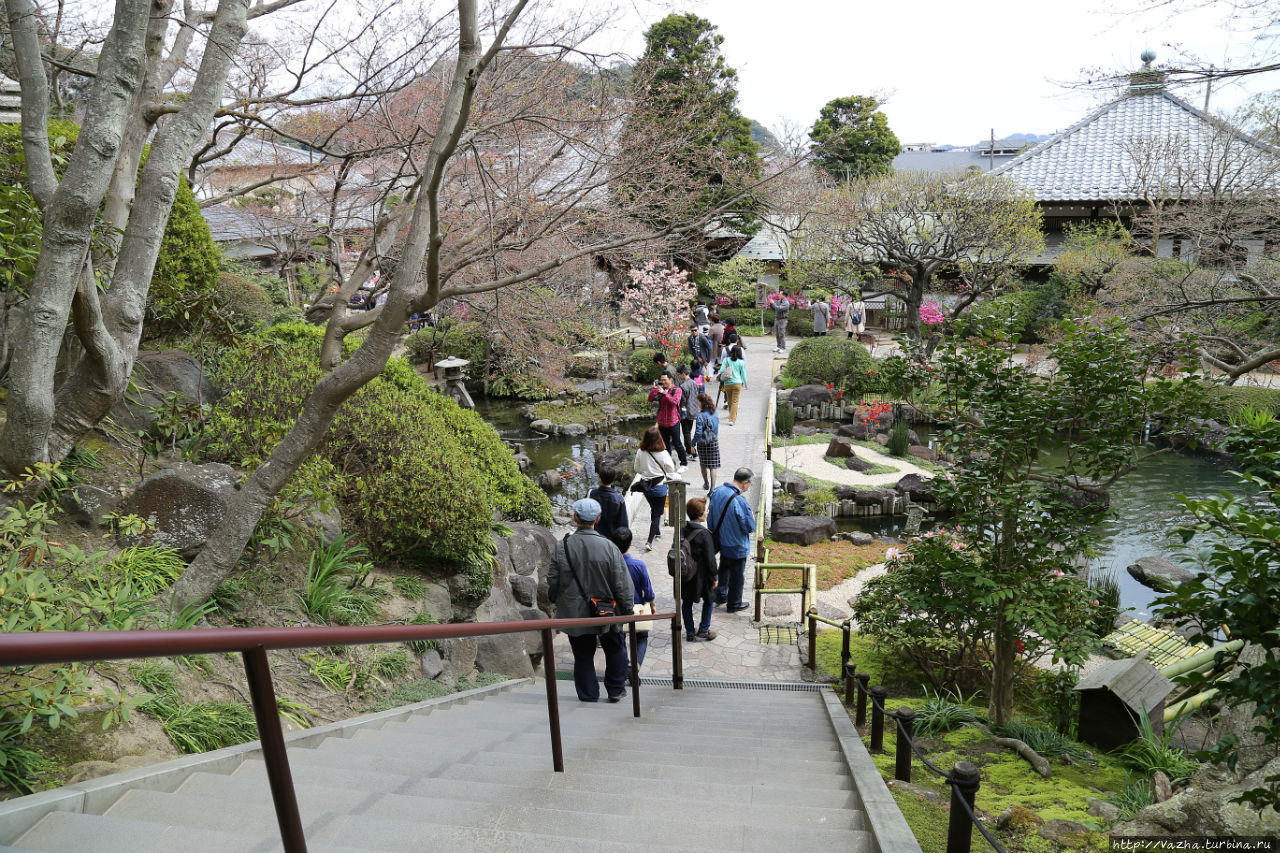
[[588, 566], [613, 506]]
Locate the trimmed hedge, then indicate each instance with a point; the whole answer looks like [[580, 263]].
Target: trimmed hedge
[[1231, 400], [642, 367], [834, 361], [418, 476]]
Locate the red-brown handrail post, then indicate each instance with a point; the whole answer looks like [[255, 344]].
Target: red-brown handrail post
[[676, 512], [635, 670], [553, 700], [280, 779]]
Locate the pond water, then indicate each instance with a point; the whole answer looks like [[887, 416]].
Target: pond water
[[574, 458], [1143, 514]]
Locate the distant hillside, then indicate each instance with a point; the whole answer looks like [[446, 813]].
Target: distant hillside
[[762, 136]]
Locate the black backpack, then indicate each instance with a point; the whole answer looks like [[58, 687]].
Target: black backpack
[[688, 567]]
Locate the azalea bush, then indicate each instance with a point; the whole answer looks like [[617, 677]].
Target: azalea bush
[[836, 362], [659, 300]]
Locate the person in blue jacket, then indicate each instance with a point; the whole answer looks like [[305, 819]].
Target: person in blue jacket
[[733, 523]]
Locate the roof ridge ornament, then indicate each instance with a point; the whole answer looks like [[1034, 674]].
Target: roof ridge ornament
[[1148, 79]]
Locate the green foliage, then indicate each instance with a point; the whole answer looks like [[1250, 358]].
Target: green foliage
[[414, 473], [1042, 739], [421, 647], [338, 675], [735, 278], [21, 223], [335, 592], [186, 274], [642, 367], [1238, 585], [1152, 752], [1029, 311], [449, 337], [245, 297], [1231, 400], [1136, 796], [684, 92], [1105, 589], [148, 569], [409, 586], [19, 766], [392, 664], [852, 138], [411, 692], [941, 714], [203, 726], [834, 361], [154, 677], [785, 420], [899, 439]]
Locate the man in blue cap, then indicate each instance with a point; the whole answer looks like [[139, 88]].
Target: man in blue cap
[[586, 565]]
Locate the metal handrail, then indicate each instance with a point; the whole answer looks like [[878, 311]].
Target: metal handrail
[[33, 649], [963, 779]]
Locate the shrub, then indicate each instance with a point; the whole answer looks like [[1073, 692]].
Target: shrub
[[449, 337], [785, 421], [642, 367], [940, 715], [186, 269], [832, 361], [1042, 739], [1152, 752], [899, 438], [246, 298], [334, 592], [416, 475], [1106, 591]]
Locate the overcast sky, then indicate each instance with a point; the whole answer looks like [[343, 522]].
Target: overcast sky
[[952, 70]]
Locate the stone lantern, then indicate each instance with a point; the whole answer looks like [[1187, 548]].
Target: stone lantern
[[454, 383]]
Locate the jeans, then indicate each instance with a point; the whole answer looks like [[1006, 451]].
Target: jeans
[[584, 664], [780, 329], [642, 645], [708, 605], [657, 504], [671, 437], [732, 578]]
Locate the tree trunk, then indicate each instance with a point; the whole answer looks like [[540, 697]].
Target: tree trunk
[[1004, 668], [68, 226], [914, 299]]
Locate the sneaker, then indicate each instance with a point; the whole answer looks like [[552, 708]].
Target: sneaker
[[648, 546], [732, 423], [682, 469], [689, 638], [707, 635], [620, 696]]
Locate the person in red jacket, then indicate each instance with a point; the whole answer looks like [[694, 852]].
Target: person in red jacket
[[668, 396]]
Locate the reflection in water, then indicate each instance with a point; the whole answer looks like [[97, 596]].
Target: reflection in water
[[573, 458], [1143, 515]]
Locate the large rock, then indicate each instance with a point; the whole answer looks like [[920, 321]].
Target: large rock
[[921, 452], [917, 488], [810, 395], [432, 664], [459, 656], [182, 505], [523, 559], [858, 430], [550, 481], [803, 529], [1018, 819], [573, 430], [778, 606], [622, 461], [828, 611], [1070, 834], [543, 425], [87, 505], [155, 375], [1158, 573], [504, 653], [864, 497], [857, 464], [840, 447], [792, 483], [524, 590], [1208, 807], [1103, 809]]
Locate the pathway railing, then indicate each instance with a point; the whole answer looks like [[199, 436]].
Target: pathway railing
[[964, 778], [253, 643]]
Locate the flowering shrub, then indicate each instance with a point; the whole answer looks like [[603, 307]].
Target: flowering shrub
[[658, 300], [931, 314]]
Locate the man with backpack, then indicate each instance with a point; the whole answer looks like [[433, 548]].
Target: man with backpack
[[732, 524]]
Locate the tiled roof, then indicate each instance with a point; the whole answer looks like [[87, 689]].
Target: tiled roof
[[1093, 160], [945, 162]]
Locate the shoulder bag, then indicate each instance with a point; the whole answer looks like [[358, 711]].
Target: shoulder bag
[[599, 606]]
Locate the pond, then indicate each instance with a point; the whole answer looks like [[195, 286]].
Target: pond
[[574, 458], [1143, 514]]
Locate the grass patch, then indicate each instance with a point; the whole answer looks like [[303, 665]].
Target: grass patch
[[203, 726], [838, 461], [589, 412], [895, 671], [424, 689], [836, 561]]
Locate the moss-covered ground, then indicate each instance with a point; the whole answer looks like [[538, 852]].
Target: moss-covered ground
[[588, 412], [836, 562], [1006, 779]]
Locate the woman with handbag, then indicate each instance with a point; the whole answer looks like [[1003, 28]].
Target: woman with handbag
[[733, 381], [706, 440], [655, 466], [621, 537]]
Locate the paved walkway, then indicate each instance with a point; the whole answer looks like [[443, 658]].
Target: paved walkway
[[737, 652]]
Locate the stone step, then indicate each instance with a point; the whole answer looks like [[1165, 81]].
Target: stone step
[[638, 802], [744, 725], [73, 832]]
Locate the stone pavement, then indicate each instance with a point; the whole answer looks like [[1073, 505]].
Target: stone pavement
[[736, 653]]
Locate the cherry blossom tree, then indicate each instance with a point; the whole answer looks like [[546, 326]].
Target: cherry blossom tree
[[658, 299]]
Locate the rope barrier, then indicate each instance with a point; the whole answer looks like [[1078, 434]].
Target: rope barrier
[[911, 744]]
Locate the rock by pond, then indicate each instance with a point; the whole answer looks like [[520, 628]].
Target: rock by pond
[[803, 529], [1158, 573]]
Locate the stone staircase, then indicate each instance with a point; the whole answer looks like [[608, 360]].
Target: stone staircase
[[702, 769]]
